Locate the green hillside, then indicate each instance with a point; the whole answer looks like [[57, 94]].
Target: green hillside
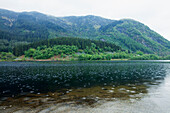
[[22, 28], [78, 42], [64, 48], [133, 35]]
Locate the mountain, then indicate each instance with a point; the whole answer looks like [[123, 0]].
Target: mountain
[[25, 27], [134, 35]]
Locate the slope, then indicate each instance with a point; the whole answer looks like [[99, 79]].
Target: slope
[[26, 27]]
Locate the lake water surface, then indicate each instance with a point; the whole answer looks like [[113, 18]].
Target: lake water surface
[[94, 86]]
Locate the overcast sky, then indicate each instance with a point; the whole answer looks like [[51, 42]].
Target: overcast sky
[[154, 13]]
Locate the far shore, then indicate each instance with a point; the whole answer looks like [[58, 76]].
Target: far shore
[[42, 60]]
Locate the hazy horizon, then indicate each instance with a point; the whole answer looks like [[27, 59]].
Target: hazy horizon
[[154, 14]]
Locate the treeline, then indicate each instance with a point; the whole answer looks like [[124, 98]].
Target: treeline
[[42, 52], [9, 40], [106, 56], [89, 53], [4, 56], [79, 42], [25, 35], [121, 55]]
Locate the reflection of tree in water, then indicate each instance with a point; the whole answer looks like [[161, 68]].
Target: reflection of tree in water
[[82, 83]]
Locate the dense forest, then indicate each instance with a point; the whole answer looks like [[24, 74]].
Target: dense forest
[[74, 49], [93, 52], [79, 42]]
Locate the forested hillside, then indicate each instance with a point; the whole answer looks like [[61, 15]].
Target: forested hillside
[[26, 27], [133, 35], [78, 42], [65, 48]]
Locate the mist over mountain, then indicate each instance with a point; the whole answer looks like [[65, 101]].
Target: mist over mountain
[[25, 27]]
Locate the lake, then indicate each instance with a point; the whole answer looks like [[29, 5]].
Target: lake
[[89, 86]]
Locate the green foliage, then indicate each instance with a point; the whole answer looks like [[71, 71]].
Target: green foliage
[[119, 55], [139, 53], [84, 57], [44, 52], [90, 53], [92, 49], [62, 55], [146, 57], [91, 46], [30, 52], [122, 55], [108, 56], [4, 56], [105, 56], [167, 57]]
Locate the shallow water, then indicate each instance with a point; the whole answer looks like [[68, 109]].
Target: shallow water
[[111, 86]]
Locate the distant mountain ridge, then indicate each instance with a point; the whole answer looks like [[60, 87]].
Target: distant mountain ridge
[[26, 27]]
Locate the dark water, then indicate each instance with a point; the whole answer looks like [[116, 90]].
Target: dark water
[[19, 79]]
